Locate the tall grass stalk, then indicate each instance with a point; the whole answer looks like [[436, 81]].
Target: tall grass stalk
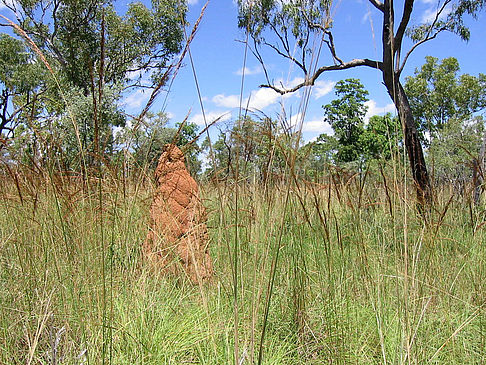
[[352, 304], [342, 270]]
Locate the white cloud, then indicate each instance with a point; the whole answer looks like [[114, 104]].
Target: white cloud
[[296, 120], [317, 126], [249, 71], [429, 15], [312, 126], [292, 83], [230, 101], [374, 109], [259, 99], [5, 3], [322, 88], [137, 98], [210, 117], [264, 97], [192, 2]]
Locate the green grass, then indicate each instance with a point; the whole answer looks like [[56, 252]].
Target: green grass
[[353, 284]]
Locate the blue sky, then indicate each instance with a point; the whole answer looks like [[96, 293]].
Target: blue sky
[[219, 58]]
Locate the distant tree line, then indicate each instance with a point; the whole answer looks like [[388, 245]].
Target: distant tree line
[[65, 67], [446, 105]]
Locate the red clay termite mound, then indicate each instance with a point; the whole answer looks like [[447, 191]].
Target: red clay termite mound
[[178, 237]]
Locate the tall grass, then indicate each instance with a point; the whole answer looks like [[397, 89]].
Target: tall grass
[[352, 284]]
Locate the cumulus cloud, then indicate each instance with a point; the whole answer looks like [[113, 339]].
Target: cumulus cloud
[[263, 97], [322, 88], [312, 126], [429, 14], [192, 2], [230, 101], [317, 126], [374, 109], [259, 99], [198, 119], [137, 99], [249, 71]]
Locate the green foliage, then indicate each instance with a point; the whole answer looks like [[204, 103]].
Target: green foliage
[[146, 140], [452, 152], [142, 39], [346, 115], [445, 105], [354, 141], [89, 45], [381, 137], [321, 153], [23, 84], [285, 20], [450, 18], [248, 147], [284, 15], [437, 93]]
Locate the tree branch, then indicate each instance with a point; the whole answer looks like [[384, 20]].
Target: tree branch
[[287, 56], [429, 36], [407, 12], [378, 4], [311, 81], [326, 31]]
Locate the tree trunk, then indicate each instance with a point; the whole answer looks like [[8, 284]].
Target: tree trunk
[[478, 172], [412, 142], [391, 78]]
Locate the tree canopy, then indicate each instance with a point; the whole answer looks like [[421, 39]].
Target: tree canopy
[[346, 115], [437, 93], [95, 52], [284, 26]]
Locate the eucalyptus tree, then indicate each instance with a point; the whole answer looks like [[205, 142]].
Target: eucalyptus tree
[[438, 94], [287, 25], [145, 142], [97, 50], [21, 83], [446, 106], [346, 115]]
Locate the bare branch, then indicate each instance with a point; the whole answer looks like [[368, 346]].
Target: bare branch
[[287, 56], [313, 25], [429, 36], [332, 47], [407, 12], [378, 4], [311, 81], [283, 38], [259, 57], [324, 29]]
